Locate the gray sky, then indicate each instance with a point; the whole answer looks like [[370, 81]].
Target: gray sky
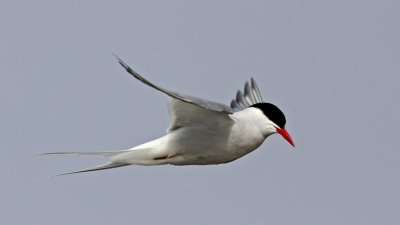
[[331, 66]]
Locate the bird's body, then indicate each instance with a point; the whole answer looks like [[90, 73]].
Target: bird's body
[[200, 144], [202, 132]]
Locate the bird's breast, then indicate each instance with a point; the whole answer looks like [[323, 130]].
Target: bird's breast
[[212, 145]]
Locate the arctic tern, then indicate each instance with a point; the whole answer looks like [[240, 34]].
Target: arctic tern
[[201, 132]]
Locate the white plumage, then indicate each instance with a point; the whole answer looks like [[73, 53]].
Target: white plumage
[[201, 132]]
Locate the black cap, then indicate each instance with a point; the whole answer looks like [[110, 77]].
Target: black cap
[[272, 112]]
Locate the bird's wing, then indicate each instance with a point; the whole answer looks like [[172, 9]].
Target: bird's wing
[[208, 105], [184, 114], [250, 96], [186, 110]]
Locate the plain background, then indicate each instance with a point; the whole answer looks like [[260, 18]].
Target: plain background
[[331, 66]]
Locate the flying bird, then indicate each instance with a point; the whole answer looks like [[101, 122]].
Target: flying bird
[[201, 132]]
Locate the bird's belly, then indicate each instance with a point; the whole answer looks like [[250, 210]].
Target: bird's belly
[[197, 147]]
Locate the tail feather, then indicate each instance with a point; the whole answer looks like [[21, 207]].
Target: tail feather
[[102, 154], [145, 154], [106, 166], [108, 154]]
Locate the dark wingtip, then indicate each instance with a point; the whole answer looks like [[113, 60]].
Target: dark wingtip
[[122, 63]]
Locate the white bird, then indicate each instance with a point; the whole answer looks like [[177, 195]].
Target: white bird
[[202, 132]]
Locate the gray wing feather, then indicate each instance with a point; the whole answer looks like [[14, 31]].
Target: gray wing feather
[[247, 92], [250, 96], [256, 92], [214, 106]]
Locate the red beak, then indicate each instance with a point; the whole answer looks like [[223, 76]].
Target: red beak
[[285, 135]]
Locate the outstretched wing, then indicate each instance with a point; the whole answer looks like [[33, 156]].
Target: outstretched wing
[[249, 97], [209, 105], [186, 110]]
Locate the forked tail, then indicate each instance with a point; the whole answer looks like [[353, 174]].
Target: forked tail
[[108, 154], [145, 154]]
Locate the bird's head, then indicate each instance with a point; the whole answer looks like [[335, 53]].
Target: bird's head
[[275, 120]]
